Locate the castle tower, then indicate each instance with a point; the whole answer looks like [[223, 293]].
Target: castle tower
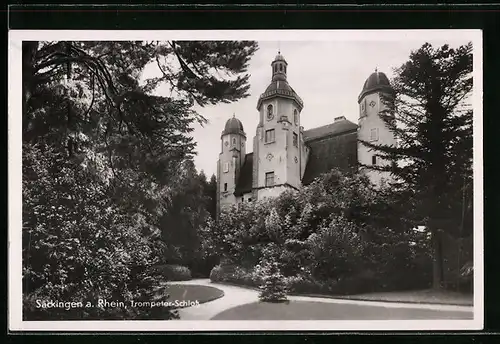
[[277, 144], [372, 128], [231, 158]]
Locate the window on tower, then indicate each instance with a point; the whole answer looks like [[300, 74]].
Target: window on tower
[[295, 140], [226, 167], [363, 108], [270, 136], [374, 160], [234, 141], [374, 134], [270, 114], [281, 67], [225, 186], [269, 179]]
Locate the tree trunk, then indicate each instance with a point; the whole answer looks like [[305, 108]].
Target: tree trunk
[[29, 49], [437, 262]]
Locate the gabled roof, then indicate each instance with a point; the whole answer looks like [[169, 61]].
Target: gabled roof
[[335, 128], [337, 151], [330, 146], [244, 183]]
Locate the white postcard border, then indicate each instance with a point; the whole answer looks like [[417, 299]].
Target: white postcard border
[[15, 321]]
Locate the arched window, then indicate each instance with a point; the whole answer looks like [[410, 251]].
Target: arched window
[[296, 117], [234, 141], [284, 69], [275, 68], [281, 67]]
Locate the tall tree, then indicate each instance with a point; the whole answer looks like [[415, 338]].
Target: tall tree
[[103, 149], [433, 128], [211, 194]]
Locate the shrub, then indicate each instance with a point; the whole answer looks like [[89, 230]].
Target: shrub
[[216, 275], [273, 287], [235, 274], [336, 248], [175, 272]]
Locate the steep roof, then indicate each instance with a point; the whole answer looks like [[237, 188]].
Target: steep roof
[[330, 146], [335, 128], [244, 183]]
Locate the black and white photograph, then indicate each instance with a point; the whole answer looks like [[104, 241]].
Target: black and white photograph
[[245, 180]]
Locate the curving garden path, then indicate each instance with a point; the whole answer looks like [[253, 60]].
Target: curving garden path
[[240, 303]]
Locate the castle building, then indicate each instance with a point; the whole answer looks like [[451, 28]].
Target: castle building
[[285, 156]]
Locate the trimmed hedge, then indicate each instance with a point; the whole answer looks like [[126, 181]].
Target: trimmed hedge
[[235, 274], [174, 272], [360, 283]]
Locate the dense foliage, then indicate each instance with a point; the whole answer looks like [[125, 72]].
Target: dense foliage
[[431, 117], [109, 190], [341, 234], [330, 236], [174, 272]]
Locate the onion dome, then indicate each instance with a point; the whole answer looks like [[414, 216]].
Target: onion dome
[[376, 82], [233, 126], [279, 85]]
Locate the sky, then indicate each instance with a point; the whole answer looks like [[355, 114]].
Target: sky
[[327, 75]]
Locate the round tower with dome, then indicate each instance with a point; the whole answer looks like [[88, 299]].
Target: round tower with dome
[[372, 102], [231, 158]]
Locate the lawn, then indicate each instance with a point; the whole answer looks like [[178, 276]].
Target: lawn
[[310, 310], [418, 296], [189, 295]]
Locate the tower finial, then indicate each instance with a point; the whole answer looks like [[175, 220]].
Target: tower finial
[[376, 69]]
